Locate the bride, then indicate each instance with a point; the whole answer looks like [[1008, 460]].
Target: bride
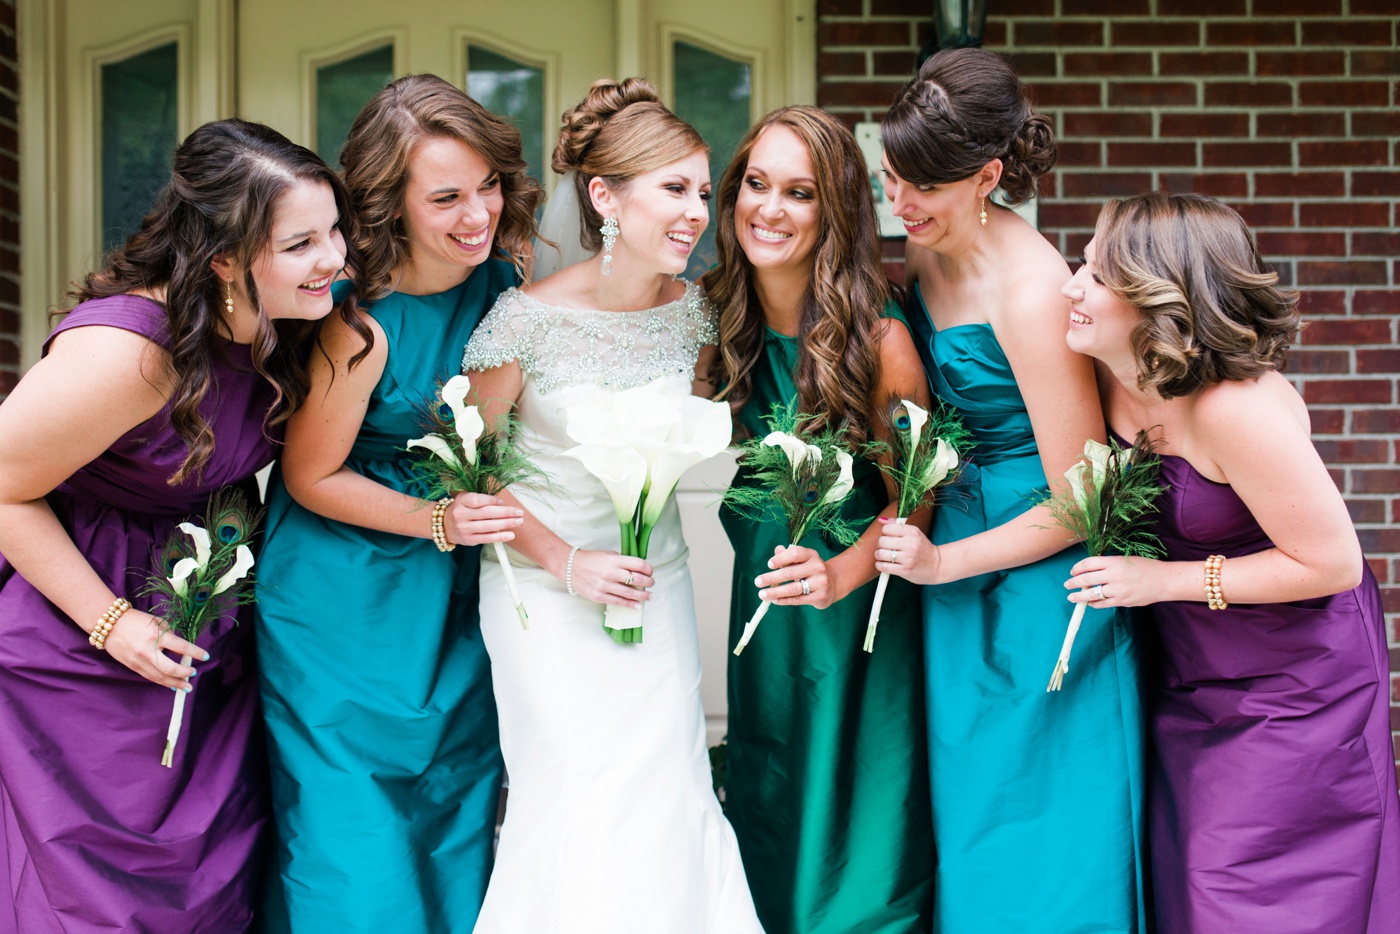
[[612, 825]]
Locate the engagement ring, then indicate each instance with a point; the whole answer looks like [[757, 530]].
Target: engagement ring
[[1098, 591], [806, 587], [628, 582]]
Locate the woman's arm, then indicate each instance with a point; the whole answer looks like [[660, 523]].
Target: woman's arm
[[1255, 434], [95, 385], [1063, 404], [321, 433], [901, 377]]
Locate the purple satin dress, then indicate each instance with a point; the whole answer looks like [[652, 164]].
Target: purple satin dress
[[97, 835], [1273, 802]]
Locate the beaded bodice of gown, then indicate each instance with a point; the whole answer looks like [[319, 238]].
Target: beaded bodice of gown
[[559, 349]]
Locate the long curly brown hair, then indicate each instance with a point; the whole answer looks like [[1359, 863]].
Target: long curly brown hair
[[375, 162], [1211, 310], [838, 372], [225, 182]]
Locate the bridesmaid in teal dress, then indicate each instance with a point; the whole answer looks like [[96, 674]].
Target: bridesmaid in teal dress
[[827, 781], [1037, 797], [386, 767]]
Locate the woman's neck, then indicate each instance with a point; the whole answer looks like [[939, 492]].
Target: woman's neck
[[636, 292], [780, 292]]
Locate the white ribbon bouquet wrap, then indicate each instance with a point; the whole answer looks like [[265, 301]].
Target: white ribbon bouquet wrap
[[639, 442]]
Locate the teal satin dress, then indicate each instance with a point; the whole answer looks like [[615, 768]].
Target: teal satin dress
[[385, 761], [826, 785], [1037, 797]]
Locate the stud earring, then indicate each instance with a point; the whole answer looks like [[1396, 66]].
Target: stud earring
[[228, 297], [609, 230], [983, 215]]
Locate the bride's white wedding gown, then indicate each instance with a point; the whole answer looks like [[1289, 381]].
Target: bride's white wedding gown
[[611, 825]]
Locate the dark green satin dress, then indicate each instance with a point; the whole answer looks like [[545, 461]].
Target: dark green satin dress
[[827, 780]]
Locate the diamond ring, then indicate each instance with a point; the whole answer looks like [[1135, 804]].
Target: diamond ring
[[806, 587]]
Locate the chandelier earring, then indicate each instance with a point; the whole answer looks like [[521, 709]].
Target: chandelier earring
[[228, 297], [983, 215], [609, 230]]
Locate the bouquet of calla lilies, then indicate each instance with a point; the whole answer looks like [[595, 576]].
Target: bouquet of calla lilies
[[463, 457], [639, 442], [203, 573], [923, 454], [801, 479], [1112, 493]]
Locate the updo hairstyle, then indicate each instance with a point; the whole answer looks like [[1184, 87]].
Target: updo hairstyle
[[965, 108], [1211, 310], [619, 131]]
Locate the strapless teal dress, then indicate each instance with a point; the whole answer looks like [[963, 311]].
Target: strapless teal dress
[[1037, 797], [376, 687]]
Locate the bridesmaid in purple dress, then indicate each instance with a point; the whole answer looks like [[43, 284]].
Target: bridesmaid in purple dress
[[168, 381], [1273, 803]]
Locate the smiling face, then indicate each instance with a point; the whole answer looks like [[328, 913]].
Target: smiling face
[[1100, 323], [451, 206], [660, 215], [942, 218], [776, 216], [305, 252]]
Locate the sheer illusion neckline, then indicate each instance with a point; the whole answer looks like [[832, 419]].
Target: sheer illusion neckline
[[686, 296]]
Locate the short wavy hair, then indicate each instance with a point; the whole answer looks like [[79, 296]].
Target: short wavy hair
[[1211, 310]]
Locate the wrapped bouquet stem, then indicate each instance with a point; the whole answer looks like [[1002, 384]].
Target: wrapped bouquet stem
[[1112, 493], [800, 479], [463, 457], [203, 573], [921, 456]]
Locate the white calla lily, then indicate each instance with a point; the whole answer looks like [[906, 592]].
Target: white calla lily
[[435, 444], [200, 537], [918, 417], [1097, 455], [845, 482], [1091, 470], [1075, 476], [467, 419], [242, 564], [703, 430], [623, 472], [944, 462], [795, 448], [180, 575]]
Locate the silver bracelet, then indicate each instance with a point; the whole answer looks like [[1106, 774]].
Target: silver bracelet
[[569, 573]]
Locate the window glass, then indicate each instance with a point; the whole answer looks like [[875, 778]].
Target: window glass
[[342, 89], [140, 106], [514, 90], [713, 94]]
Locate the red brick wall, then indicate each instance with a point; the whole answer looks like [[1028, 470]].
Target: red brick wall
[[1286, 109], [9, 201]]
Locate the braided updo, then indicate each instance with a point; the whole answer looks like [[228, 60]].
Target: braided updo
[[965, 108], [619, 131]]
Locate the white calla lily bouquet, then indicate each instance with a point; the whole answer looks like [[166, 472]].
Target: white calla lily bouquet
[[923, 454], [800, 479], [461, 456], [202, 574], [1111, 496], [639, 442]]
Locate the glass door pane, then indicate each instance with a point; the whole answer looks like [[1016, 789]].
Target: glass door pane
[[714, 94], [514, 90], [342, 89], [140, 97]]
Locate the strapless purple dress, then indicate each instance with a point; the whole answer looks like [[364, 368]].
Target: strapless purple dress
[[97, 836], [1273, 798]]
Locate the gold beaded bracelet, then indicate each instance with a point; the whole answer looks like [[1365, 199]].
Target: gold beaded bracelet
[[439, 533], [98, 637], [1215, 599]]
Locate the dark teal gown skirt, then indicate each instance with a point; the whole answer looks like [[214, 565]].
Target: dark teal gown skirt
[[1038, 798], [376, 688]]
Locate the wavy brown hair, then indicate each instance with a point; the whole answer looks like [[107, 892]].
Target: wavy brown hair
[[225, 183], [375, 161], [965, 108], [1211, 310], [838, 370], [619, 131]]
